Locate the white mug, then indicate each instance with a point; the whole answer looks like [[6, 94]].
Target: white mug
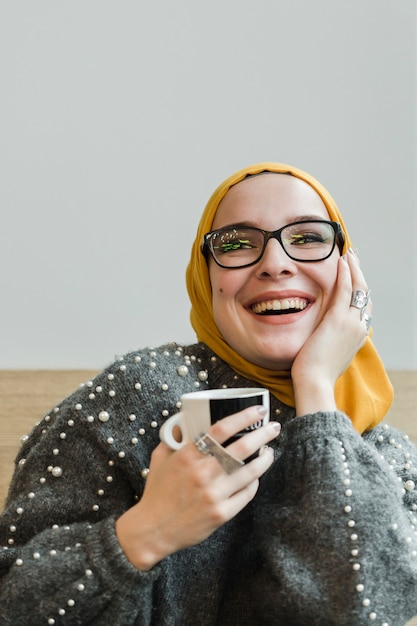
[[201, 409]]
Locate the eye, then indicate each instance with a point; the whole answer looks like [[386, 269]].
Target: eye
[[297, 239], [241, 244], [232, 241], [308, 235]]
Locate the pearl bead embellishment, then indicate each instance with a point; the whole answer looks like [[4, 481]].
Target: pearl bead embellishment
[[127, 431]]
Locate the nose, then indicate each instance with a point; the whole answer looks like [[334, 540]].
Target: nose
[[275, 261]]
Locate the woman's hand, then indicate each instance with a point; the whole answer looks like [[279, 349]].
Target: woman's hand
[[188, 495], [333, 345]]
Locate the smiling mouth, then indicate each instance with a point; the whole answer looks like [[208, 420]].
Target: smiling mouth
[[280, 307]]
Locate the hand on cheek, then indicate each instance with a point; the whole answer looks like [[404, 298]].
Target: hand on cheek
[[334, 343]]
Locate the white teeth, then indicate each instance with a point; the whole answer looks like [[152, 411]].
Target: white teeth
[[280, 305]]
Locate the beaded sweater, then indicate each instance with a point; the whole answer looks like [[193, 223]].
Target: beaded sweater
[[329, 539]]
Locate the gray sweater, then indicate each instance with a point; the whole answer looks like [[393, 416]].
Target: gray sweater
[[330, 538]]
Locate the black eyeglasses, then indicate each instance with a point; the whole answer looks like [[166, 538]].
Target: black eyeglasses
[[238, 246]]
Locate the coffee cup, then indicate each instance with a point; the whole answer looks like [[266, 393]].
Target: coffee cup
[[201, 409]]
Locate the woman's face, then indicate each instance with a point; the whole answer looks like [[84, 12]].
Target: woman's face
[[270, 201]]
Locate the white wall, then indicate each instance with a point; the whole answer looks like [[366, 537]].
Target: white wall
[[118, 119]]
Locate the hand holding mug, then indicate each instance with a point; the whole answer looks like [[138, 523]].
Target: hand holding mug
[[201, 409], [187, 494]]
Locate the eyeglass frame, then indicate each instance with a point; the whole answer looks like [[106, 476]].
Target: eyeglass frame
[[339, 240]]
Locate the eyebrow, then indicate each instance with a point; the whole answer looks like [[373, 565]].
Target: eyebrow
[[301, 218]]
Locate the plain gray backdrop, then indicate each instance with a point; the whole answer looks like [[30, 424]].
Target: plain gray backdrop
[[118, 119]]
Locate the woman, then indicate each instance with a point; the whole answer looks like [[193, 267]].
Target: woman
[[105, 525]]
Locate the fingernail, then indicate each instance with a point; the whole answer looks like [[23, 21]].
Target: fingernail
[[265, 449], [344, 258], [262, 410], [276, 426], [354, 252]]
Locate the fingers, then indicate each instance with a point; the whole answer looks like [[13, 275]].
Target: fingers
[[360, 287], [358, 282], [188, 494], [249, 446], [250, 439], [242, 489], [232, 492], [352, 294], [350, 277], [248, 419], [244, 428], [243, 433]]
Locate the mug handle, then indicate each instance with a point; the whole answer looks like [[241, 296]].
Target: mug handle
[[166, 432]]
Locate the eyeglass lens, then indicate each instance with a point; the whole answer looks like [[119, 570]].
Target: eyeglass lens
[[238, 246]]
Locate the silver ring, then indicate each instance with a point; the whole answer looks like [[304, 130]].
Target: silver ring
[[209, 446], [360, 300], [368, 320]]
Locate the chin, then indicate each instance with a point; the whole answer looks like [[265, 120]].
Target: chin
[[272, 361], [274, 357]]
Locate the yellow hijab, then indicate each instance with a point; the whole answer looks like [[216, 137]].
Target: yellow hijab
[[363, 391]]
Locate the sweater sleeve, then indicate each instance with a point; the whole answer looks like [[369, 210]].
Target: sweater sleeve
[[338, 526], [61, 561]]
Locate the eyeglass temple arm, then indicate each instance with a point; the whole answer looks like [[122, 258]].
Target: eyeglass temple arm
[[340, 238]]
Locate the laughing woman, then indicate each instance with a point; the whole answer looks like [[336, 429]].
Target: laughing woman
[[106, 525]]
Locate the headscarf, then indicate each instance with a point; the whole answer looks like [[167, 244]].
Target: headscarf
[[364, 391]]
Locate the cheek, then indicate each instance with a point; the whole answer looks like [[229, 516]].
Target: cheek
[[327, 278], [226, 285], [220, 296], [220, 281], [217, 289], [225, 288]]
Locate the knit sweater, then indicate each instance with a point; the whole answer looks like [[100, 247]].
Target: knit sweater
[[329, 539]]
